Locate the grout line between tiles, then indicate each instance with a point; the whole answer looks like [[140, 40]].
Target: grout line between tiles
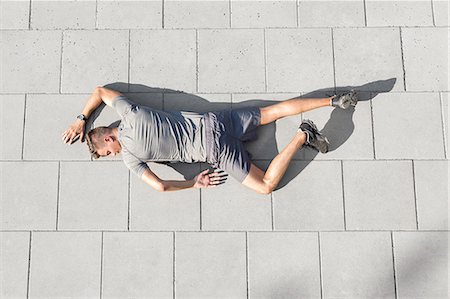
[[365, 13], [444, 129], [230, 12], [129, 199], [373, 129], [393, 264], [334, 58], [271, 210], [58, 194], [403, 59], [343, 193], [320, 266], [432, 13], [415, 193], [226, 231], [196, 59], [29, 17], [129, 59], [246, 263], [23, 126], [201, 220], [162, 14], [296, 12], [61, 62], [101, 267], [265, 60], [29, 267], [174, 267], [96, 15]]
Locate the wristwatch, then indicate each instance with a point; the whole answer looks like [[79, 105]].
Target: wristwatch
[[82, 117]]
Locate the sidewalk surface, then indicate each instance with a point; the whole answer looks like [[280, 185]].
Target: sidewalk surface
[[369, 219]]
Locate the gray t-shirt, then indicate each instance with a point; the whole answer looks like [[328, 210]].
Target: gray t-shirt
[[147, 134]]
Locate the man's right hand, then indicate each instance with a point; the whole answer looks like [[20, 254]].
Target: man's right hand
[[74, 131]]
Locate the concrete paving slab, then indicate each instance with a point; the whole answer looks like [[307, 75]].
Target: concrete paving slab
[[431, 178], [137, 265], [440, 10], [349, 132], [256, 14], [93, 196], [272, 138], [20, 49], [28, 195], [371, 207], [399, 132], [14, 14], [65, 264], [14, 253], [49, 146], [303, 204], [210, 265], [357, 265], [232, 206], [299, 59], [445, 112], [153, 210], [63, 14], [199, 103], [399, 13], [367, 54], [344, 13], [12, 110], [129, 14], [231, 60], [196, 14], [170, 63], [425, 51], [93, 58], [283, 265], [421, 264]]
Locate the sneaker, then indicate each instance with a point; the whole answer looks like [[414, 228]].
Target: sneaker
[[345, 100], [314, 138]]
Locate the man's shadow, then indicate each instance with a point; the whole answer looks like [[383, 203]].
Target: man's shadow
[[338, 128]]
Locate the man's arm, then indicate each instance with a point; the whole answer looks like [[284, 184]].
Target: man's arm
[[100, 94], [202, 180]]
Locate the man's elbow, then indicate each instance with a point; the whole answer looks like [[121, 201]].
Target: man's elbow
[[160, 187]]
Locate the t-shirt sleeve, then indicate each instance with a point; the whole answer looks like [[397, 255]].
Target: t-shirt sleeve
[[122, 105], [136, 165]]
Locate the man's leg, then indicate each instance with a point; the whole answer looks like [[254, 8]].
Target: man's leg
[[266, 182], [291, 107]]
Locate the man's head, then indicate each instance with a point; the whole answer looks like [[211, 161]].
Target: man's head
[[102, 142]]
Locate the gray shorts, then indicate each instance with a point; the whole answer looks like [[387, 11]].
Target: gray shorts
[[225, 132]]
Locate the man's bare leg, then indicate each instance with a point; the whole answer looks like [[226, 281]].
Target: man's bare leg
[[291, 107], [266, 182]]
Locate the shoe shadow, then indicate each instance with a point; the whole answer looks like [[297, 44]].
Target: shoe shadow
[[338, 128]]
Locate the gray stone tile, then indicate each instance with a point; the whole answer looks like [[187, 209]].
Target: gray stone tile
[[200, 103], [21, 49], [421, 263], [317, 13], [273, 137], [399, 132], [29, 195], [12, 109], [92, 58], [169, 63], [63, 14], [349, 132], [103, 202], [440, 8], [255, 14], [233, 206], [425, 51], [210, 265], [367, 206], [303, 204], [357, 265], [196, 14], [14, 14], [445, 113], [355, 66], [299, 59], [231, 60], [49, 146], [432, 194], [129, 14], [137, 265], [14, 252], [283, 265], [153, 210], [399, 13], [65, 264]]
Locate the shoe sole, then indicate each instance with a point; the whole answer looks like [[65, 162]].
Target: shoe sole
[[321, 143]]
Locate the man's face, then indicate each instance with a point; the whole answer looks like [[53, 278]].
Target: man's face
[[111, 148]]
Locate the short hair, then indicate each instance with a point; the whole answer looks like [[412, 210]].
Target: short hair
[[94, 140]]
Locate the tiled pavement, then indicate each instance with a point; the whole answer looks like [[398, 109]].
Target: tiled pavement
[[369, 219]]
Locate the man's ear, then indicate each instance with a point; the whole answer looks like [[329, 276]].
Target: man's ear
[[107, 139]]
